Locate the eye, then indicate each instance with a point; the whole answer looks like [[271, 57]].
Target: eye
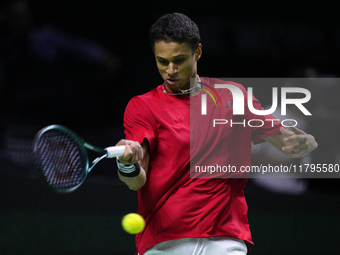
[[178, 61], [163, 62]]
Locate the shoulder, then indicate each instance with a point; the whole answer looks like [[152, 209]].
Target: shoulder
[[144, 102], [228, 88], [213, 81], [152, 94]]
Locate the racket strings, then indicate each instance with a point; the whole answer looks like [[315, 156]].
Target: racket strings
[[61, 159]]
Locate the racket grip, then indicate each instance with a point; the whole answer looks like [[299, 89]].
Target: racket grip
[[115, 151]]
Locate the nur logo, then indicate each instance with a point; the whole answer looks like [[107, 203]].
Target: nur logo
[[238, 99]]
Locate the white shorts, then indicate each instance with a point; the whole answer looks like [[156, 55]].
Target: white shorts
[[200, 246]]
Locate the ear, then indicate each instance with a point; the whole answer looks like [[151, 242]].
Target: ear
[[198, 52]]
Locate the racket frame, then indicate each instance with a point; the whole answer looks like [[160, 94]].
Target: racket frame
[[108, 152]]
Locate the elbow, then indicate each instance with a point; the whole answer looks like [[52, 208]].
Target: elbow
[[135, 187], [133, 183]]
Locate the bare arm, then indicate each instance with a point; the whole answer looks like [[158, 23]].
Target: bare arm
[[135, 152], [294, 144]]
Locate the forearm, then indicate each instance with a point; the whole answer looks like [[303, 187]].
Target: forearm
[[134, 183], [134, 152], [277, 141]]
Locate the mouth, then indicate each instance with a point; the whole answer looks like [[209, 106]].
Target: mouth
[[172, 81]]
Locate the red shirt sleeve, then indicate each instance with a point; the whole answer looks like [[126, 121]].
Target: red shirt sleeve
[[139, 123]]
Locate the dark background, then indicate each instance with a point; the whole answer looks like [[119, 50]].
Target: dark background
[[258, 39]]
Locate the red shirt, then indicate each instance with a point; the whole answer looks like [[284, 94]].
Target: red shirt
[[173, 204]]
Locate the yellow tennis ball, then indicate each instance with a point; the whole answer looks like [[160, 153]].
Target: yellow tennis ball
[[133, 223]]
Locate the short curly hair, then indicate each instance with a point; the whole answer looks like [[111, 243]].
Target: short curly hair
[[175, 27]]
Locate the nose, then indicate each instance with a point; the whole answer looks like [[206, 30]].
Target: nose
[[171, 69]]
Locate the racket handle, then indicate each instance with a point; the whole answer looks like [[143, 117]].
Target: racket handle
[[115, 151]]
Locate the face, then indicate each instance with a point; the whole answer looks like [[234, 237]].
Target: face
[[176, 64]]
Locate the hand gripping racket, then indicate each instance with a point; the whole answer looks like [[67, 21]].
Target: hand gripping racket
[[61, 157]]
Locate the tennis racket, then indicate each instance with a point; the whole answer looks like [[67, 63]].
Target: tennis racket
[[61, 157]]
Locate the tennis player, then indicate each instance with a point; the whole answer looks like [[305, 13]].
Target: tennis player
[[189, 215]]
